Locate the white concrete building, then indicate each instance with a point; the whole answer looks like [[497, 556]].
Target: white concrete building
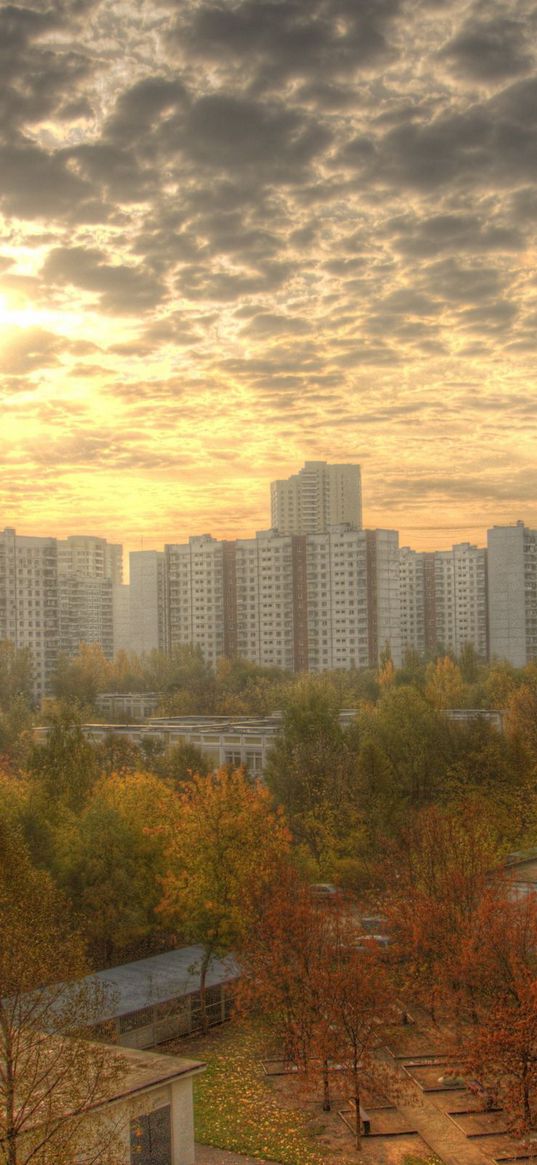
[[460, 600], [384, 600], [121, 617], [140, 1113], [337, 599], [412, 600], [195, 581], [444, 599], [88, 570], [90, 557], [290, 601], [29, 604], [278, 613], [318, 496], [148, 601], [512, 558]]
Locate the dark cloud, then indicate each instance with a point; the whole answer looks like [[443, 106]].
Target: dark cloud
[[122, 288], [490, 50], [226, 131], [38, 184], [277, 42]]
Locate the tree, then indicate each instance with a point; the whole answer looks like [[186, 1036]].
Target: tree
[[64, 768], [360, 998], [521, 718], [408, 741], [283, 957], [16, 674], [439, 872], [109, 860], [324, 993], [49, 1074], [183, 762], [311, 770], [445, 685], [501, 972], [79, 679], [469, 664], [225, 846]]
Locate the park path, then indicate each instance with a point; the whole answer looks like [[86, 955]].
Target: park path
[[435, 1127], [208, 1155]]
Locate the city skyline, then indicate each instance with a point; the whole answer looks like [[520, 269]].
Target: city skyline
[[235, 237]]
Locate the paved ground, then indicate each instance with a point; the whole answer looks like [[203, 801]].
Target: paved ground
[[207, 1155]]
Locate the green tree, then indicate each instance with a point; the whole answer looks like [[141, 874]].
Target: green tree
[[183, 762], [64, 768], [309, 768], [16, 674], [404, 744], [109, 860]]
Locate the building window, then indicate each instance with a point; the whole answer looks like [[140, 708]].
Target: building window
[[151, 1138]]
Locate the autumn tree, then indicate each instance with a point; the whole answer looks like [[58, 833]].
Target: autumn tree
[[360, 1005], [500, 1044], [182, 762], [521, 716], [79, 678], [437, 875], [325, 992], [283, 957], [49, 1074], [445, 685], [226, 845]]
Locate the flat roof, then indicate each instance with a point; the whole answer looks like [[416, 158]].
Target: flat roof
[[146, 1070], [158, 979]]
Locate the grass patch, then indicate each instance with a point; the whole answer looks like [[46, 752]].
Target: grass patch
[[233, 1107]]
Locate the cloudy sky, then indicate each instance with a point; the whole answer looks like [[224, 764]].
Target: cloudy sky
[[237, 234]]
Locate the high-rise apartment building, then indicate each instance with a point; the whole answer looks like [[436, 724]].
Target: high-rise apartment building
[[412, 600], [317, 497], [148, 601], [287, 600], [90, 557], [444, 599], [29, 610], [338, 600], [512, 558], [195, 581], [88, 569]]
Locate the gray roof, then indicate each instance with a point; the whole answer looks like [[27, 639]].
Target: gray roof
[[157, 980]]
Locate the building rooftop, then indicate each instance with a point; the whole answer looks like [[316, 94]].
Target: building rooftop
[[158, 979], [145, 1070]]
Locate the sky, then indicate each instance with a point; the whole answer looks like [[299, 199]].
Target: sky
[[239, 234]]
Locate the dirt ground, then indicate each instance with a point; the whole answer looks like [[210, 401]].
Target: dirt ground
[[334, 1135]]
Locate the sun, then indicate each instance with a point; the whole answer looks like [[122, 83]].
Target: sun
[[15, 314]]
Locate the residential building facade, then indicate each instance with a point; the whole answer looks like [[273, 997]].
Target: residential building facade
[[148, 605], [317, 497], [512, 558]]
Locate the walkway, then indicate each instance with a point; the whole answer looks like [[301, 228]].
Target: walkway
[[436, 1129], [208, 1155]]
